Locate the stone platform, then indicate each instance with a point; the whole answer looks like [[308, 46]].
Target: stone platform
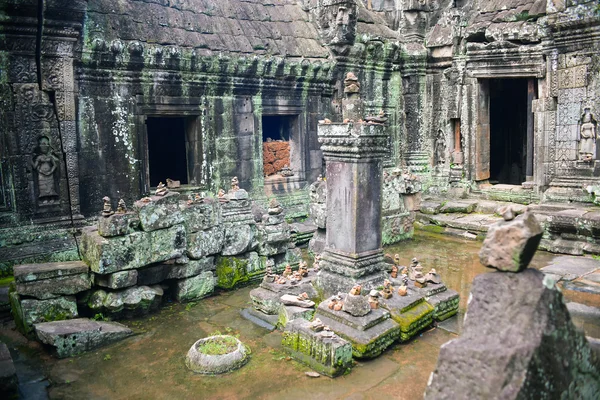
[[328, 355], [370, 335]]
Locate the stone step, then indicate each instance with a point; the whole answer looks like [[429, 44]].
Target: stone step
[[586, 318], [35, 272], [76, 336]]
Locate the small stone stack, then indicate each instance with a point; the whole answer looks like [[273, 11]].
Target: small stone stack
[[518, 339]]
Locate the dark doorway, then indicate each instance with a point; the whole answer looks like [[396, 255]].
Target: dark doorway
[[508, 130], [167, 149]]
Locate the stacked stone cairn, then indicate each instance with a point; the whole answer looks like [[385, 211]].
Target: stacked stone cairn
[[518, 339], [164, 246]]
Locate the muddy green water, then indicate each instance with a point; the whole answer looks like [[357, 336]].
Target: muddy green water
[[150, 365]]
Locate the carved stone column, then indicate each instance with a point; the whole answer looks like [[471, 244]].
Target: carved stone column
[[354, 166]]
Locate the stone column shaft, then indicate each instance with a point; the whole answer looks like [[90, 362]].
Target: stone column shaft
[[353, 254]]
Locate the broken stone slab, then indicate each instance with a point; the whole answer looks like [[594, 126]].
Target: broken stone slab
[[9, 384], [159, 213], [518, 341], [192, 268], [28, 312], [510, 245], [133, 251], [265, 300], [118, 224], [55, 287], [430, 207], [117, 280], [35, 272], [291, 300], [127, 303], [319, 214], [463, 207], [76, 336], [328, 355], [206, 242], [261, 319], [569, 268], [195, 287], [288, 313]]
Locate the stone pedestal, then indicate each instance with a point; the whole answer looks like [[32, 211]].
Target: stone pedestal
[[353, 253]]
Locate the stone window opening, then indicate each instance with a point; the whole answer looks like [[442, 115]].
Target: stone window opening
[[278, 145], [167, 149]]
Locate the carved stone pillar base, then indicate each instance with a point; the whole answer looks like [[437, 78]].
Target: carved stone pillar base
[[340, 271], [417, 161]]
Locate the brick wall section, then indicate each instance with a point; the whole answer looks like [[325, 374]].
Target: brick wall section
[[276, 155]]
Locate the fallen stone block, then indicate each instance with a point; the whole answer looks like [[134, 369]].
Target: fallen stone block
[[204, 243], [159, 213], [200, 216], [518, 342], [117, 280], [118, 224], [28, 312], [238, 238], [191, 268], [195, 287], [328, 355], [288, 313], [510, 245], [55, 287], [265, 300], [35, 272], [9, 384], [133, 251], [464, 207], [76, 336]]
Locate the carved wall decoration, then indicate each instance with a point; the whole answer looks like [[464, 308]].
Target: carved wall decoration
[[46, 172], [440, 148], [588, 136]]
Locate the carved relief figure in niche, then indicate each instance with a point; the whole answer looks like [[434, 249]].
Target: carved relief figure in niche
[[440, 148], [587, 136], [45, 163]]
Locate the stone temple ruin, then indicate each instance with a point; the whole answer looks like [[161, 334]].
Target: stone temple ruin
[[168, 150]]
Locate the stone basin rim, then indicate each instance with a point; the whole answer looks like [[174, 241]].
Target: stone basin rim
[[209, 364]]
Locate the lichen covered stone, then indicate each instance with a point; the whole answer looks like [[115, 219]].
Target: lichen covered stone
[[328, 355], [195, 287]]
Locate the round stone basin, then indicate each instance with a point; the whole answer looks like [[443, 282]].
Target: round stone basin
[[216, 355]]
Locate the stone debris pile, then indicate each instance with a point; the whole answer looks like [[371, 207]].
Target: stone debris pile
[[517, 330]]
